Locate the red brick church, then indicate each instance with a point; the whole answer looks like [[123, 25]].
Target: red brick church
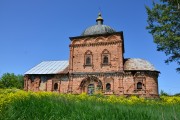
[[96, 65]]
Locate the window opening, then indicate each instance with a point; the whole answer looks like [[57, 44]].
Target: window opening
[[108, 86], [88, 60], [55, 87], [139, 85], [105, 59]]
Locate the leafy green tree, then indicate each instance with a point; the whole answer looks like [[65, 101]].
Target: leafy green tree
[[10, 80], [162, 93], [164, 24], [1, 84], [20, 79], [177, 94]]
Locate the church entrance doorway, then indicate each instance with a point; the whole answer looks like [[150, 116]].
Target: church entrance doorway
[[90, 89], [91, 85]]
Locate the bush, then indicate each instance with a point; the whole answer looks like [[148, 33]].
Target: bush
[[162, 93], [10, 80], [177, 94]]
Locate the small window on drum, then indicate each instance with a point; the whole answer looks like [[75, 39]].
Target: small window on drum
[[139, 85], [55, 86]]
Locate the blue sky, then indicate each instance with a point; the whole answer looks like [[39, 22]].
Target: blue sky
[[32, 31]]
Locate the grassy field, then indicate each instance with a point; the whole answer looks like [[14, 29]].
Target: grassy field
[[20, 105]]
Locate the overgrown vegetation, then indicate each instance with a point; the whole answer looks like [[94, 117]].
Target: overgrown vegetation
[[17, 104], [10, 80]]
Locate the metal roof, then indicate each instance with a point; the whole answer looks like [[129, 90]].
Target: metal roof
[[99, 28], [49, 67], [138, 64]]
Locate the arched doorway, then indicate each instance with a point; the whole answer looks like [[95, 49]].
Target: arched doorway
[[55, 86], [90, 89], [91, 85]]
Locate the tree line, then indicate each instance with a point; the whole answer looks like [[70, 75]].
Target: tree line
[[10, 80]]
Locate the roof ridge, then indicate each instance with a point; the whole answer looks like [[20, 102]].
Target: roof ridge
[[54, 60]]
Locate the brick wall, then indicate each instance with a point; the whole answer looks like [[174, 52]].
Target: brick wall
[[96, 45]]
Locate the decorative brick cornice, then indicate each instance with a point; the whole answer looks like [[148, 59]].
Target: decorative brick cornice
[[114, 74], [97, 35], [97, 74], [95, 44], [136, 73]]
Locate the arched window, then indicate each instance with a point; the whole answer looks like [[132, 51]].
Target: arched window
[[108, 86], [88, 58], [105, 57], [139, 85], [55, 86]]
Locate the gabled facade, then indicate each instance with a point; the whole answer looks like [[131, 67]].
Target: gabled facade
[[96, 64]]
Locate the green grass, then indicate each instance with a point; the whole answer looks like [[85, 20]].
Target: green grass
[[59, 108]]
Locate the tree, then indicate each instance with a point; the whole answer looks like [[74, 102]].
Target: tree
[[164, 25], [1, 84], [162, 93], [21, 81], [177, 94], [10, 80]]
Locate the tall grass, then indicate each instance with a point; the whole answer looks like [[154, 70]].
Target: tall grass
[[71, 107]]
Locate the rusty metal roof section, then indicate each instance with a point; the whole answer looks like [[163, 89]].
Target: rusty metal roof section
[[138, 64], [49, 67]]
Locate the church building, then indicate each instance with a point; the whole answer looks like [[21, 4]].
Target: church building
[[96, 65]]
